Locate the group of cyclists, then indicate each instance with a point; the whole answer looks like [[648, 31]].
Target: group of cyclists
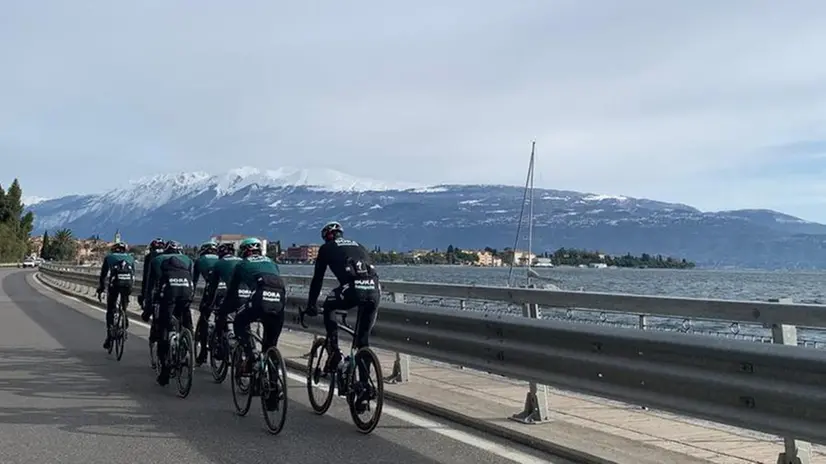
[[248, 285]]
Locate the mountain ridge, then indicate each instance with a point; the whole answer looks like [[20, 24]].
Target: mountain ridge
[[292, 204]]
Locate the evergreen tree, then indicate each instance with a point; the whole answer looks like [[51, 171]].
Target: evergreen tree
[[44, 254], [15, 226]]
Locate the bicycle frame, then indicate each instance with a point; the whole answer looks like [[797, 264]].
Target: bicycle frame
[[348, 329]]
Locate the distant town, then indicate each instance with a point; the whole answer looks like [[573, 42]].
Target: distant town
[[63, 247]]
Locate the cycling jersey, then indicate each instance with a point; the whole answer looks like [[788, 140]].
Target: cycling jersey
[[203, 265], [338, 255]]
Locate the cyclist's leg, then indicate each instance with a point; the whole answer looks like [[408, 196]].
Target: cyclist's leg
[[162, 322], [333, 302], [365, 321], [183, 313], [367, 302], [273, 323], [241, 326], [111, 301], [205, 311], [152, 311], [125, 293], [203, 330], [124, 302]]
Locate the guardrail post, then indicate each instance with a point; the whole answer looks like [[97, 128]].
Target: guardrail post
[[795, 451], [536, 401], [401, 366]]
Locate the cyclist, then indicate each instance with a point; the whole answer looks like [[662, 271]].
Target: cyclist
[[208, 257], [120, 267], [358, 287], [170, 285], [261, 276], [214, 293], [155, 248]]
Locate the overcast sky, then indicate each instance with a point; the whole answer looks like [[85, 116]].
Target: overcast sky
[[718, 104]]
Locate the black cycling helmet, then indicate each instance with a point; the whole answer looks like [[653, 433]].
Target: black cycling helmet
[[250, 246], [157, 244], [208, 248], [119, 247], [331, 231], [225, 249], [173, 247]]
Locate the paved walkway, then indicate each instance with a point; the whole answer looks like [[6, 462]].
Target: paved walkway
[[608, 431]]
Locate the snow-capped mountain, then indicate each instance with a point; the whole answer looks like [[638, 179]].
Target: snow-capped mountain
[[32, 200], [291, 205]]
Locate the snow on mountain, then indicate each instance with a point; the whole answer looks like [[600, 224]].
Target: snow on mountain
[[32, 200], [325, 180], [291, 204], [152, 192]]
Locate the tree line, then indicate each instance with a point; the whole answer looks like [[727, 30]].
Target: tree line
[[15, 225], [560, 257]]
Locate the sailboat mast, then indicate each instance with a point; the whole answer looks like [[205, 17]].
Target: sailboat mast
[[528, 187], [530, 211]]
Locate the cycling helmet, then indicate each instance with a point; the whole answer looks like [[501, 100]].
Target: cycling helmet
[[208, 248], [225, 249], [331, 231], [157, 244], [250, 246], [173, 247], [119, 247]]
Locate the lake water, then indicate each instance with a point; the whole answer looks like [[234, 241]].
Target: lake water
[[805, 287]]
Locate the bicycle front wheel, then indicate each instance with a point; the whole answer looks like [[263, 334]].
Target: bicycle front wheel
[[317, 380], [274, 391], [241, 393], [366, 395], [185, 362]]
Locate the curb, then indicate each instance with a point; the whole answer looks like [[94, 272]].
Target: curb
[[482, 426], [438, 411]]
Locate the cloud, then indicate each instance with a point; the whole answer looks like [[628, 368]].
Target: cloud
[[682, 101]]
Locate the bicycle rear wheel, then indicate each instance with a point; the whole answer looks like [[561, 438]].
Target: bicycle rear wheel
[[120, 333], [317, 379], [363, 392], [274, 391], [241, 394], [185, 362]]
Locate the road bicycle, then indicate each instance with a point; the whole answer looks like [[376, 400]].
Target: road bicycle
[[358, 392], [220, 348], [180, 356], [119, 332], [268, 379]]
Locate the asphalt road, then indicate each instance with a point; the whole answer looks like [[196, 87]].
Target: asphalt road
[[63, 399]]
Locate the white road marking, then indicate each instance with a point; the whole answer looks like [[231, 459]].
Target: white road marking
[[405, 416]]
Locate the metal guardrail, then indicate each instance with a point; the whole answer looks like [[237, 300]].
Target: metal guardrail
[[746, 320], [772, 388]]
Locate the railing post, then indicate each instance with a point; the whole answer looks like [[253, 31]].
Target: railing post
[[795, 451], [536, 401], [401, 366]]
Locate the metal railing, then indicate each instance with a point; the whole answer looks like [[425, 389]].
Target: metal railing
[[776, 388]]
